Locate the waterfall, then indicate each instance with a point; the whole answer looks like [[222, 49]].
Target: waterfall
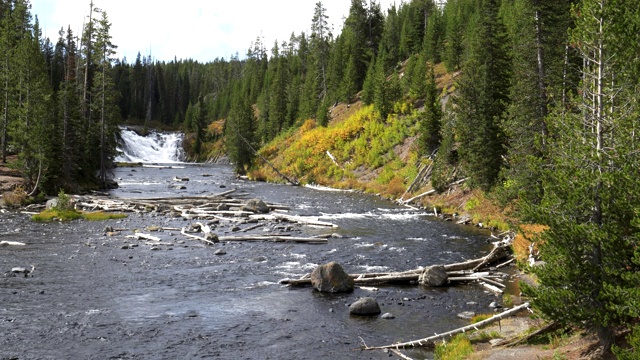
[[153, 148]]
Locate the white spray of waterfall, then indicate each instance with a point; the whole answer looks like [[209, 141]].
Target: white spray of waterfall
[[153, 148]]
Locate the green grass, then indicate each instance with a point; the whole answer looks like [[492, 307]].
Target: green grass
[[457, 348], [480, 317], [484, 336], [69, 215], [101, 216], [128, 164]]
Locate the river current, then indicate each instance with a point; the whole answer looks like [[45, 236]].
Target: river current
[[237, 298]]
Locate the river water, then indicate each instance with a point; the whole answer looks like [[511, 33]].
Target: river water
[[376, 235], [184, 302]]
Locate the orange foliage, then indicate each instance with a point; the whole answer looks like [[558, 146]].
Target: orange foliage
[[395, 188], [524, 239], [216, 127]]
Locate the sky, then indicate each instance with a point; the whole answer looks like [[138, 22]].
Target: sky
[[202, 30]]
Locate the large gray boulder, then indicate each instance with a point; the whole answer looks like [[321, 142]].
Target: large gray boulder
[[433, 276], [366, 306], [51, 204], [331, 278], [256, 206]]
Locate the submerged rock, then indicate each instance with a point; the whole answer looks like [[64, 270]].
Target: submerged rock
[[388, 316], [467, 315], [331, 278], [433, 276], [365, 306]]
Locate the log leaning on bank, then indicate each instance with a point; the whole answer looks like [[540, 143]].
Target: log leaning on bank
[[430, 341]]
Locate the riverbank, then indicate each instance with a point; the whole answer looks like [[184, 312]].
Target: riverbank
[[10, 179]]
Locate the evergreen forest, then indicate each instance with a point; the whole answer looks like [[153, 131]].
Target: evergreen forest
[[541, 113]]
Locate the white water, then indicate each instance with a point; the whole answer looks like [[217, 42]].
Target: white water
[[156, 147]]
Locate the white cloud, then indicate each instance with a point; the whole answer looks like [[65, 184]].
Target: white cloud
[[197, 29]]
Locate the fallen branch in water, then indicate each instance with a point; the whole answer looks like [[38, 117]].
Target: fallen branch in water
[[430, 341], [458, 272], [208, 242], [274, 238], [11, 243], [139, 236]]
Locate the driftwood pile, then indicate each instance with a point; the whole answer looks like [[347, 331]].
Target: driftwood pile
[[205, 211], [476, 270]]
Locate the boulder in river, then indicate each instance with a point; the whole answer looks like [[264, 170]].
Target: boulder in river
[[365, 306], [433, 276], [466, 315], [256, 206], [331, 278]]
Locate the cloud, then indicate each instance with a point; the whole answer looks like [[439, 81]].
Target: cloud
[[198, 29]]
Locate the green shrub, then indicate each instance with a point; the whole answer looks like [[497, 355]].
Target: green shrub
[[457, 348], [633, 352]]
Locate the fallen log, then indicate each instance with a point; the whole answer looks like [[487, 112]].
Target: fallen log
[[139, 236], [273, 238], [496, 254], [464, 271], [493, 282], [306, 220], [400, 355], [252, 227], [208, 242], [430, 341], [550, 327], [491, 287], [11, 243]]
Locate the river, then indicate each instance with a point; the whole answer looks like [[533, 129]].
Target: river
[[185, 302]]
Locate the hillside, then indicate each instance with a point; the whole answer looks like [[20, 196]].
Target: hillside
[[359, 151]]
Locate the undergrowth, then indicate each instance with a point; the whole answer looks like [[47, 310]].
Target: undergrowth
[[457, 348], [360, 144], [64, 210], [70, 214]]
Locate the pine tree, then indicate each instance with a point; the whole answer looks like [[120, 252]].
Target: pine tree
[[30, 130], [278, 93], [482, 99], [240, 135], [417, 83], [454, 32], [431, 117], [70, 130], [357, 36], [320, 37], [390, 40], [8, 30], [199, 121], [591, 186], [105, 98], [433, 37], [537, 30], [368, 88]]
